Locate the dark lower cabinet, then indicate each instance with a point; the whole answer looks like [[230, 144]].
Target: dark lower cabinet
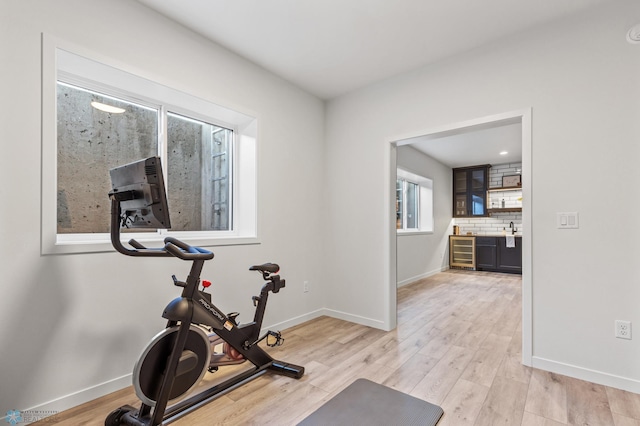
[[509, 258], [492, 254], [486, 253]]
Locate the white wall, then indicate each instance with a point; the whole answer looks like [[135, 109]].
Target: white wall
[[72, 325], [422, 255], [580, 77], [66, 322]]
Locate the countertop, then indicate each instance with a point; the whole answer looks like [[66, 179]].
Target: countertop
[[486, 235]]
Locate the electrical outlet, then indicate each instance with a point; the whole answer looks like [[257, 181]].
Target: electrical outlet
[[305, 287], [623, 329]]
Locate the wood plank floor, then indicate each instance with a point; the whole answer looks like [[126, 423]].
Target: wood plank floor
[[457, 345]]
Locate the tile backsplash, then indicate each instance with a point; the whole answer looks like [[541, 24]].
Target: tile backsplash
[[497, 171], [498, 221], [490, 225]]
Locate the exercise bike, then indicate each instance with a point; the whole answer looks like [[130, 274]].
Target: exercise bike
[[198, 337]]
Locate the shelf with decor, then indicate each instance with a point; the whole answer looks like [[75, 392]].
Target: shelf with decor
[[505, 199], [505, 188], [505, 210]]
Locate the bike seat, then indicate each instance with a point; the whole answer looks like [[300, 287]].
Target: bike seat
[[266, 267]]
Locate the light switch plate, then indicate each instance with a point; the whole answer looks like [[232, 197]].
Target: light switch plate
[[567, 220]]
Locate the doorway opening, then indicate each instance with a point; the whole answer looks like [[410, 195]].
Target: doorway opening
[[443, 221]]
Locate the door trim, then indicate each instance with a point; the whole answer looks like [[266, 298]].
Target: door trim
[[390, 246]]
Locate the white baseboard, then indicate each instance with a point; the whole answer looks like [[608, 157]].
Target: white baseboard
[[588, 375], [330, 313], [370, 322], [80, 397], [421, 276], [294, 321]]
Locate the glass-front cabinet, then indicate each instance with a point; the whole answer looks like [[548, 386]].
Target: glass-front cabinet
[[460, 193], [470, 191]]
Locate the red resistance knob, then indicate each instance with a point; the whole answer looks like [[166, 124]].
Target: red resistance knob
[[206, 283]]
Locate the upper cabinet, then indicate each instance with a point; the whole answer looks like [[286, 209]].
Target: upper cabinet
[[470, 191]]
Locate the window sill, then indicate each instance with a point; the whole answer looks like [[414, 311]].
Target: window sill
[[403, 233], [102, 245]]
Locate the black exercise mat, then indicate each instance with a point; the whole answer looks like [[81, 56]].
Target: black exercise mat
[[364, 402]]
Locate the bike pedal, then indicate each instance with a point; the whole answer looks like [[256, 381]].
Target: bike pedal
[[279, 340]]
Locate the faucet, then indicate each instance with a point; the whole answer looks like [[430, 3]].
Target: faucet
[[513, 228]]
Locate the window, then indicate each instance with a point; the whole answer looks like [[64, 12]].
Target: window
[[97, 132], [407, 204], [105, 117], [91, 141], [414, 202], [199, 186]]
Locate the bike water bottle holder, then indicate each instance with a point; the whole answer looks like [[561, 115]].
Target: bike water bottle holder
[[233, 317]]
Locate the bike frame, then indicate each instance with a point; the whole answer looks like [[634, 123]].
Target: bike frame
[[195, 307]]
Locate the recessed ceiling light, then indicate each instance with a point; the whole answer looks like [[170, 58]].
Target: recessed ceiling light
[[504, 152], [633, 35], [107, 108]]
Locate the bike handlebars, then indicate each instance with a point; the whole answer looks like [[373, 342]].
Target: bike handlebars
[[183, 251], [172, 246]]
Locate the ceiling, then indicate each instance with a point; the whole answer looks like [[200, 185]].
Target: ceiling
[[475, 146], [331, 47]]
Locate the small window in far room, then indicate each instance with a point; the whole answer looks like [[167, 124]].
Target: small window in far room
[[407, 205], [414, 202]]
